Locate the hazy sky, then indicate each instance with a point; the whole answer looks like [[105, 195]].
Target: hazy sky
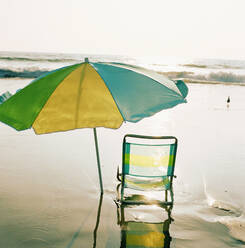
[[186, 28]]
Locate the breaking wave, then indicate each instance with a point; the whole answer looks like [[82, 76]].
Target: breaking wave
[[228, 207], [22, 59], [216, 66], [21, 74], [236, 226], [212, 76], [218, 77], [233, 218], [33, 65]]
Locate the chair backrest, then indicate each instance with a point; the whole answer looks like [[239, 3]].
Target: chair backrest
[[149, 156]]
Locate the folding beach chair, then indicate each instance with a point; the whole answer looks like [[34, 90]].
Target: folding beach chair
[[145, 233], [147, 168]]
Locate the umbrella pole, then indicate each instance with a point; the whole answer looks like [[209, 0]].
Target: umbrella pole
[[98, 160]]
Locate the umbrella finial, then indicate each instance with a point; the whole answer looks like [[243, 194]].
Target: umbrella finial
[[86, 60]]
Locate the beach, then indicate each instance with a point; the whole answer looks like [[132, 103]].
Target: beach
[[49, 186], [76, 77]]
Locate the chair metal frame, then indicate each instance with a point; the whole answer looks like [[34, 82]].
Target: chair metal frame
[[121, 176]]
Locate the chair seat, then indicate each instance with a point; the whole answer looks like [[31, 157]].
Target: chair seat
[[147, 183]]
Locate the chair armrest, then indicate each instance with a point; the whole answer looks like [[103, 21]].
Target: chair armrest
[[172, 176], [119, 175]]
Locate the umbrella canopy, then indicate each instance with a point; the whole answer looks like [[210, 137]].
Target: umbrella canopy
[[90, 95]]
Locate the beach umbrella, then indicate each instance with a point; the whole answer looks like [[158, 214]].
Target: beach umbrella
[[90, 95]]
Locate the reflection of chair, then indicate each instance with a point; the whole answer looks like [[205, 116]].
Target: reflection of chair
[[147, 168], [145, 233]]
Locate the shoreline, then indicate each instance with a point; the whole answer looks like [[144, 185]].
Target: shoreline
[[196, 81], [186, 80], [190, 80]]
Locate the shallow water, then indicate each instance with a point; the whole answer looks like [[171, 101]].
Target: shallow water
[[49, 189]]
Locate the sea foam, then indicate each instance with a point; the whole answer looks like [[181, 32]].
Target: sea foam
[[20, 65], [236, 226]]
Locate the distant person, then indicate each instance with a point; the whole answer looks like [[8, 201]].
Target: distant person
[[228, 102]]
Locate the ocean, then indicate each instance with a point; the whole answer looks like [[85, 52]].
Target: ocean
[[32, 65], [49, 188]]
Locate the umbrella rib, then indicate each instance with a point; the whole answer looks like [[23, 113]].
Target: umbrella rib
[[143, 71], [79, 93], [110, 92]]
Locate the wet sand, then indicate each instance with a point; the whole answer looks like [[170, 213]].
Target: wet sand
[[49, 188]]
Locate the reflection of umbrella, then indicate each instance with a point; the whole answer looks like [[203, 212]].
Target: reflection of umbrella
[[76, 234], [90, 95]]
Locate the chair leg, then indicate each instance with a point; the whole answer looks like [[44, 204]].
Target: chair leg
[[118, 216], [122, 191], [166, 195], [172, 195], [122, 215], [118, 194]]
